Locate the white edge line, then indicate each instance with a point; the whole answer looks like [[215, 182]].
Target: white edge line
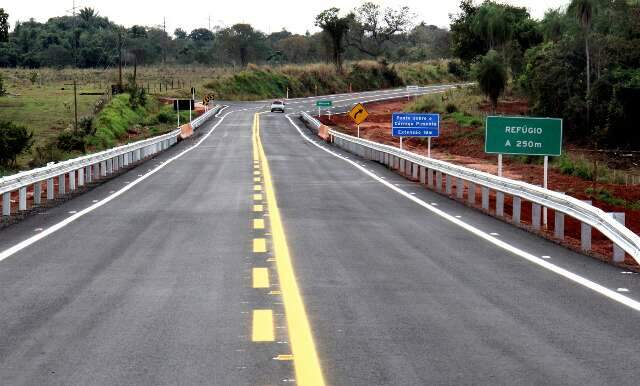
[[56, 227], [499, 243]]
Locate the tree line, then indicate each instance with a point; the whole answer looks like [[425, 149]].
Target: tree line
[[88, 40], [580, 63]]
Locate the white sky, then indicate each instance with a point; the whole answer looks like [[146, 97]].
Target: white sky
[[266, 15]]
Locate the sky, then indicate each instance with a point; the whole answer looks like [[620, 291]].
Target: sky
[[266, 15]]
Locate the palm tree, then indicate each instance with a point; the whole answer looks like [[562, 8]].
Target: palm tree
[[584, 13]]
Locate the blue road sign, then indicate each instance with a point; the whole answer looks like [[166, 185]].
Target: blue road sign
[[415, 125]]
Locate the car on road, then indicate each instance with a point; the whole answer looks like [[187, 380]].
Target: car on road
[[277, 106]]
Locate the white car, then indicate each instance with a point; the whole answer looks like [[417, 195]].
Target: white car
[[277, 106]]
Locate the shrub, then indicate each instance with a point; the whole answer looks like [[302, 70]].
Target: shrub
[[456, 69], [70, 141], [491, 75], [451, 108], [14, 140], [165, 117], [44, 154], [86, 125]]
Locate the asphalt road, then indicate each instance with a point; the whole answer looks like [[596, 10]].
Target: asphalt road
[[161, 283]]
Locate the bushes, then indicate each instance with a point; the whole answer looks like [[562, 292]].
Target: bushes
[[165, 117], [491, 75], [46, 153], [69, 140], [14, 140]]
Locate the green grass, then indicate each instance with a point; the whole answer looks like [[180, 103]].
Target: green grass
[[606, 196], [118, 122]]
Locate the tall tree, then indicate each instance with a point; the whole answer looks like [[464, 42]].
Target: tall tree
[[335, 29], [4, 25], [584, 13], [243, 42], [371, 28]]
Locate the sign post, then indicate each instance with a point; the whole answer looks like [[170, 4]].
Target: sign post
[[524, 136], [358, 114], [323, 103], [415, 125]]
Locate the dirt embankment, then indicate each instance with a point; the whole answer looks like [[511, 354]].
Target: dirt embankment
[[465, 146]]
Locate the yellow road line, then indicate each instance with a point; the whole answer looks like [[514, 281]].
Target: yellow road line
[[262, 328], [305, 357], [260, 277], [258, 223], [257, 197], [258, 208], [259, 245]]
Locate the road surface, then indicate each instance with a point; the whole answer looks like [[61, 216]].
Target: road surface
[[254, 255]]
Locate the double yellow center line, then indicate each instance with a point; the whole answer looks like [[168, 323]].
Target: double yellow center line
[[305, 357]]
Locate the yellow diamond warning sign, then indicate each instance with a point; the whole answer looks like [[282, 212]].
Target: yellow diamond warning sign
[[358, 113]]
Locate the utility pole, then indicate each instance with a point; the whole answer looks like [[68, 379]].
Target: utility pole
[[75, 106], [164, 40], [119, 59]]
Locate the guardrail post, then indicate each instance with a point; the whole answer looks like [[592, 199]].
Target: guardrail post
[[618, 253], [485, 198], [460, 188], [558, 225], [423, 175], [61, 184], [536, 215], [517, 203], [585, 234], [430, 178], [414, 169], [37, 193], [103, 169], [402, 166], [22, 198], [110, 166], [500, 204], [72, 180], [439, 181], [471, 196], [50, 189], [81, 177], [6, 204], [87, 174], [449, 184]]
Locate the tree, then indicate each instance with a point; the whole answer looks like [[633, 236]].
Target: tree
[[180, 34], [87, 14], [491, 76], [335, 29], [200, 35], [14, 140], [4, 26], [243, 42], [584, 13], [371, 28]]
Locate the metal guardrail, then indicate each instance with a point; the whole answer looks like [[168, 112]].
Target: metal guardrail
[[588, 214], [87, 167]]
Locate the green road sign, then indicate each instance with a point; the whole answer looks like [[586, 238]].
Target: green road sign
[[523, 135], [324, 103]]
